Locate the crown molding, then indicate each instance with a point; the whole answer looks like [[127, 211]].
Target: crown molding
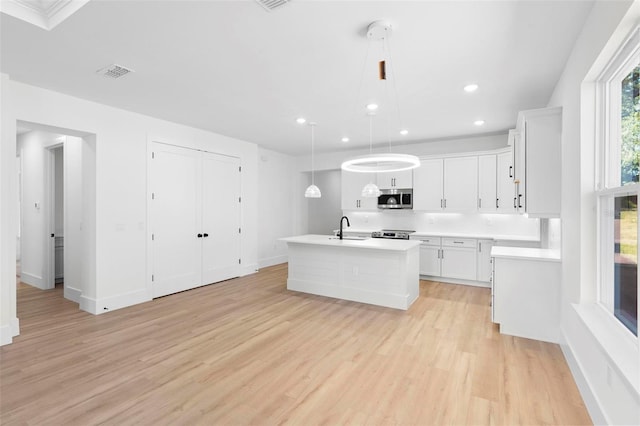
[[45, 14]]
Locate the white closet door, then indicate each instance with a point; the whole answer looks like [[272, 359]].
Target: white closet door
[[220, 217], [175, 219]]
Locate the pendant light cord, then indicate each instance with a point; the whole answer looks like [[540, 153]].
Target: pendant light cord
[[387, 47], [313, 125]]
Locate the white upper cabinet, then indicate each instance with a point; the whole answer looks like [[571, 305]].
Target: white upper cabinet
[[399, 180], [504, 183], [487, 183], [428, 185], [540, 133], [352, 184], [460, 184]]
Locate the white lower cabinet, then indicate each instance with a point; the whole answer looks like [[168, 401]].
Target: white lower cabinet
[[430, 256], [454, 258], [459, 258], [484, 260], [526, 297]]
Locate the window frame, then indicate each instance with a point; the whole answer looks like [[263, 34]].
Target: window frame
[[608, 183]]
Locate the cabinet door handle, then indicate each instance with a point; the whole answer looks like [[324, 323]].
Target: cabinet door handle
[[205, 235], [441, 204], [479, 247], [479, 203], [497, 203], [510, 171], [519, 201], [445, 203], [458, 242], [514, 203], [199, 235]]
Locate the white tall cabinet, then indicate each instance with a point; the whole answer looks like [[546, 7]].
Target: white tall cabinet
[[395, 180], [194, 217], [487, 198], [352, 184], [460, 183], [538, 164], [505, 188], [428, 185]]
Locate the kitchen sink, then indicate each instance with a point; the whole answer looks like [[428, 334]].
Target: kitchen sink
[[350, 238]]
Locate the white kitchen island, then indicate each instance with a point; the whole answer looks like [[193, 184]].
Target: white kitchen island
[[377, 271]]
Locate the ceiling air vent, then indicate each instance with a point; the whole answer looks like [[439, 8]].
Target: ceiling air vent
[[114, 71], [270, 5]]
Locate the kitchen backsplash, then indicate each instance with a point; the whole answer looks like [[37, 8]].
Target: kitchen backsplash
[[458, 223]]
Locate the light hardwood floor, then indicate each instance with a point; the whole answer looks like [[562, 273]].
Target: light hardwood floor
[[247, 351]]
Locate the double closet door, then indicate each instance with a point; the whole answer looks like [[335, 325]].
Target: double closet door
[[195, 218]]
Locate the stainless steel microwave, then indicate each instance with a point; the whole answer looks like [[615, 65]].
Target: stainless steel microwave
[[396, 199]]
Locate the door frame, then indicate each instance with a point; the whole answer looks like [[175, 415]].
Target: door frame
[[48, 211]]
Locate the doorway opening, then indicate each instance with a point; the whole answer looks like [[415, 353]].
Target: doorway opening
[[56, 232]]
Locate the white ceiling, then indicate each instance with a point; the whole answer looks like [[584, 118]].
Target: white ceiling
[[235, 69]]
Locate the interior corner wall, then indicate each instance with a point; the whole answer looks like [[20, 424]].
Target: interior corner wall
[[8, 216], [325, 212], [278, 217], [121, 143], [578, 218]]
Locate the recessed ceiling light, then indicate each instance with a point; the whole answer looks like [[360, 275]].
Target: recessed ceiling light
[[470, 88], [301, 120], [478, 122], [404, 132], [372, 107], [345, 139]]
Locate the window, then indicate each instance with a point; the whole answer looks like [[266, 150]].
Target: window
[[619, 187]]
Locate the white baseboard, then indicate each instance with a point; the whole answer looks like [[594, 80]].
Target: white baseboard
[[32, 279], [252, 268], [9, 331], [101, 306], [72, 294], [275, 260], [456, 281], [589, 398]]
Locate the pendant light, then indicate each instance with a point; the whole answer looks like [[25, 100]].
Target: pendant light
[[384, 162], [371, 190], [312, 190]]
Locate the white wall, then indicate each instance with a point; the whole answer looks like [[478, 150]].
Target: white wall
[[121, 146], [609, 395], [277, 218], [58, 155], [34, 153], [325, 212], [9, 324]]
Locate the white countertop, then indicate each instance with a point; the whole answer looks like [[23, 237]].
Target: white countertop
[[369, 243], [479, 236], [526, 253]]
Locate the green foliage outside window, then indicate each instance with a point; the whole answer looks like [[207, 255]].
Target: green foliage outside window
[[630, 127]]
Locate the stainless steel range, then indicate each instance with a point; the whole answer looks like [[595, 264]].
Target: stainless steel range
[[397, 234]]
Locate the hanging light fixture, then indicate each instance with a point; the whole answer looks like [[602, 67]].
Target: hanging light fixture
[[370, 190], [312, 190], [383, 162]]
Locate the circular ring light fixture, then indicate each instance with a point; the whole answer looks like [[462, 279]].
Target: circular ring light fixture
[[380, 163]]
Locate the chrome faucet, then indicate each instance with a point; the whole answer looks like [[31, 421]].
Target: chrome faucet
[[348, 224]]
